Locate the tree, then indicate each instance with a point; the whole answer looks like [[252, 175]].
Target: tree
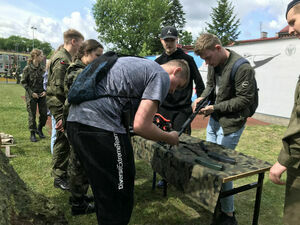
[[224, 22], [21, 44], [131, 27], [186, 38], [174, 16]]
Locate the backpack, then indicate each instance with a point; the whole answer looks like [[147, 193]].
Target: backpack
[[253, 106], [84, 86]]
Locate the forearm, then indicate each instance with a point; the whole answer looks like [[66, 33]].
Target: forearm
[[152, 132]]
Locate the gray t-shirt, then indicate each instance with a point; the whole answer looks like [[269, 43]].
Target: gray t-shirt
[[130, 80]]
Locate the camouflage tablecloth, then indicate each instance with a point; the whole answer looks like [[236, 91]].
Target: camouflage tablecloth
[[178, 166]]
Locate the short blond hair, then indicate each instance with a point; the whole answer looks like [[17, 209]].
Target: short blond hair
[[206, 41], [296, 9], [185, 69], [72, 34]]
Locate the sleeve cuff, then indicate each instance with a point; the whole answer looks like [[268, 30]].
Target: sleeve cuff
[[286, 160]]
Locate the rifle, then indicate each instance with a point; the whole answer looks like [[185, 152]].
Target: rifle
[[200, 105]]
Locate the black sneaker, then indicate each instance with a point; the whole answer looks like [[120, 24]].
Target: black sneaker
[[61, 183], [82, 208], [227, 220], [87, 198]]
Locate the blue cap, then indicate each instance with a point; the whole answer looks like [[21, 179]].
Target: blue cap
[[291, 5]]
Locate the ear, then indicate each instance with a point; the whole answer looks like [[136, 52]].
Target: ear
[[161, 40], [177, 70], [73, 41], [218, 47]]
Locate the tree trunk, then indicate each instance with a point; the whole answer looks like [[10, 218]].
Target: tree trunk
[[21, 206]]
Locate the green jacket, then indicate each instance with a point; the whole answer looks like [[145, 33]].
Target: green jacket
[[72, 72], [32, 79], [55, 89], [231, 103], [289, 155]]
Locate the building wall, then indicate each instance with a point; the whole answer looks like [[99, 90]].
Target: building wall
[[277, 67], [8, 59]]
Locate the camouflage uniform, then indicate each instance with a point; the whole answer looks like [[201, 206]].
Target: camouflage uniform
[[77, 178], [15, 72], [32, 81], [290, 158], [55, 101]]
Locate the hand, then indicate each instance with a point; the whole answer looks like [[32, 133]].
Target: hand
[[35, 95], [42, 94], [173, 138], [196, 102], [276, 172], [59, 126], [207, 110]]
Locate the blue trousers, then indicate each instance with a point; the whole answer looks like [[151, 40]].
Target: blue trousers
[[215, 134]]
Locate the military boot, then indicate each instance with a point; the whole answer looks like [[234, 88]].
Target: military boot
[[81, 206], [40, 132], [32, 136]]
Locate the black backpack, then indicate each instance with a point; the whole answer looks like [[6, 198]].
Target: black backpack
[[253, 105], [84, 86]]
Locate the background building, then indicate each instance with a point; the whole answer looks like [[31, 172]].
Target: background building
[[9, 59]]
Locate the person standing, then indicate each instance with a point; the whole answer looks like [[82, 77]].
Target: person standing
[[289, 156], [98, 133], [80, 202], [229, 112], [59, 63], [53, 130], [32, 81], [177, 106]]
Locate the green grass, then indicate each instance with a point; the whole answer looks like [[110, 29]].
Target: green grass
[[33, 164]]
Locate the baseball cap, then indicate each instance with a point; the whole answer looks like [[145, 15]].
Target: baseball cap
[[291, 5], [169, 32]]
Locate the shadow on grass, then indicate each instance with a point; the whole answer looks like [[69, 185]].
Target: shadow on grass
[[151, 207]]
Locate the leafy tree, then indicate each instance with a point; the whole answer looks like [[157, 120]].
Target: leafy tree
[[224, 22], [186, 38], [174, 16], [131, 27], [21, 44]]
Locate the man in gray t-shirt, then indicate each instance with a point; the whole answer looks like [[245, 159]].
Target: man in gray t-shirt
[[98, 135]]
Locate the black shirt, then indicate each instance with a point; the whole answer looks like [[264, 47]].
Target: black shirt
[[182, 98]]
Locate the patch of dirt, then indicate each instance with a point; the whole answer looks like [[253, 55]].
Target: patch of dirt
[[200, 122]]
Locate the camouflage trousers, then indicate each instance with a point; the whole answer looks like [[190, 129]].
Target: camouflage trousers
[[66, 164], [32, 104], [292, 197], [61, 155], [77, 178]]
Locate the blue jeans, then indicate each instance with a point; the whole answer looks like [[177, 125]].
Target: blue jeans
[[53, 133], [214, 134]]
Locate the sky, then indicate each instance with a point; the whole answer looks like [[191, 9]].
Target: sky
[[52, 17]]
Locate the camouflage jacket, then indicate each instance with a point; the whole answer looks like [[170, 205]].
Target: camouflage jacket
[[32, 79], [290, 152], [55, 89], [72, 72], [232, 101]]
